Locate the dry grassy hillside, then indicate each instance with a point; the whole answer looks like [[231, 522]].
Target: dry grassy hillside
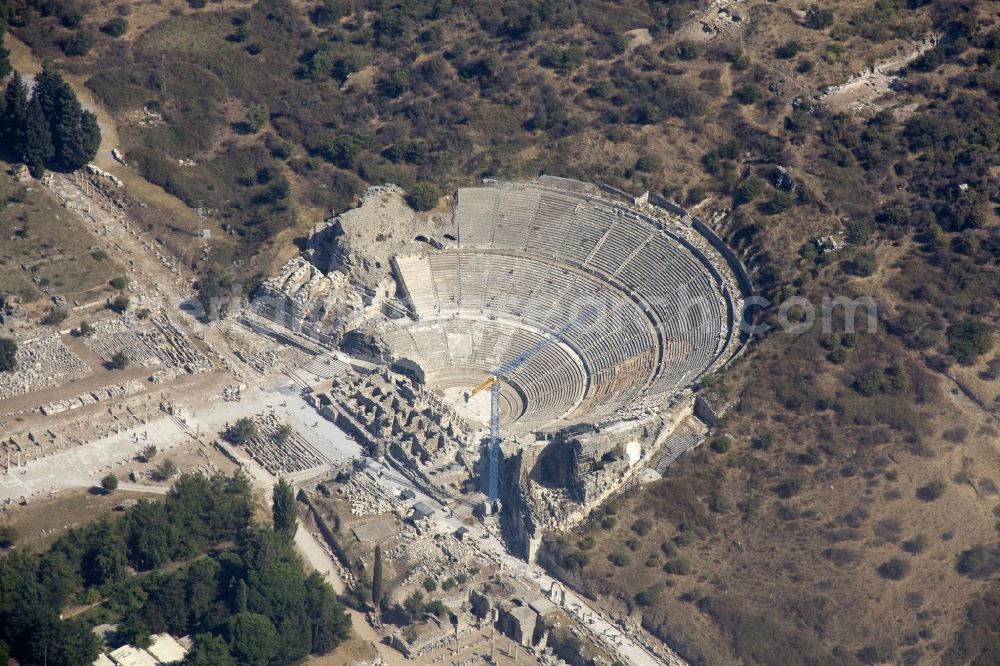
[[846, 512]]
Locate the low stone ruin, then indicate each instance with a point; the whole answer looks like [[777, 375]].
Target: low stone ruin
[[103, 394], [280, 451], [407, 422], [41, 363], [152, 343], [304, 299]]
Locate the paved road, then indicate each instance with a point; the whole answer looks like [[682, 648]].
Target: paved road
[[82, 466]]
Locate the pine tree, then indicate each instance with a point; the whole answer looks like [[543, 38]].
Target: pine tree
[[5, 67], [90, 137], [75, 146], [49, 84], [34, 141], [15, 110], [377, 578], [75, 134]]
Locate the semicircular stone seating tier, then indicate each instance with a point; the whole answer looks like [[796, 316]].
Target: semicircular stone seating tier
[[639, 311]]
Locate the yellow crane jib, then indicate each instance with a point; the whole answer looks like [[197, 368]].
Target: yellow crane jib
[[485, 384]]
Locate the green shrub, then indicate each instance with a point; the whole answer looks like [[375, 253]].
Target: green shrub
[[648, 163], [869, 382], [916, 544], [618, 559], [109, 483], [563, 59], [894, 569], [78, 44], [650, 596], [242, 431], [789, 488], [577, 560], [863, 264], [119, 304], [818, 18], [679, 567], [119, 361], [932, 491], [788, 50], [642, 526], [430, 584], [857, 232], [721, 444], [55, 316], [116, 27], [423, 196], [118, 282], [748, 93], [969, 338]]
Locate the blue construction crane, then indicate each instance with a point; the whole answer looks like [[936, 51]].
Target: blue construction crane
[[493, 384]]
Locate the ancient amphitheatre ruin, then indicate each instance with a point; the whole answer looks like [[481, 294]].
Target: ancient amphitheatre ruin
[[616, 306]]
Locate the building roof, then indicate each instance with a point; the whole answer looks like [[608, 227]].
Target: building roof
[[102, 660], [166, 649], [129, 655]]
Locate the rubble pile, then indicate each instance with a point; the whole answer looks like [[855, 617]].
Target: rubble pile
[[368, 497]]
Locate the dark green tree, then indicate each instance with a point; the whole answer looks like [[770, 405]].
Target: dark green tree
[[5, 67], [82, 141], [329, 624], [244, 429], [119, 361], [209, 650], [15, 110], [105, 561], [423, 196], [241, 597], [33, 144], [377, 590], [8, 355], [283, 510], [109, 483], [252, 638], [75, 134], [969, 338]]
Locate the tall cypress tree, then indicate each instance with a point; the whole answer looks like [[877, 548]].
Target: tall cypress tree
[[15, 110], [34, 141], [283, 511], [377, 591]]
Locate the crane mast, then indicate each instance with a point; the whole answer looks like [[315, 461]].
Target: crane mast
[[493, 384]]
